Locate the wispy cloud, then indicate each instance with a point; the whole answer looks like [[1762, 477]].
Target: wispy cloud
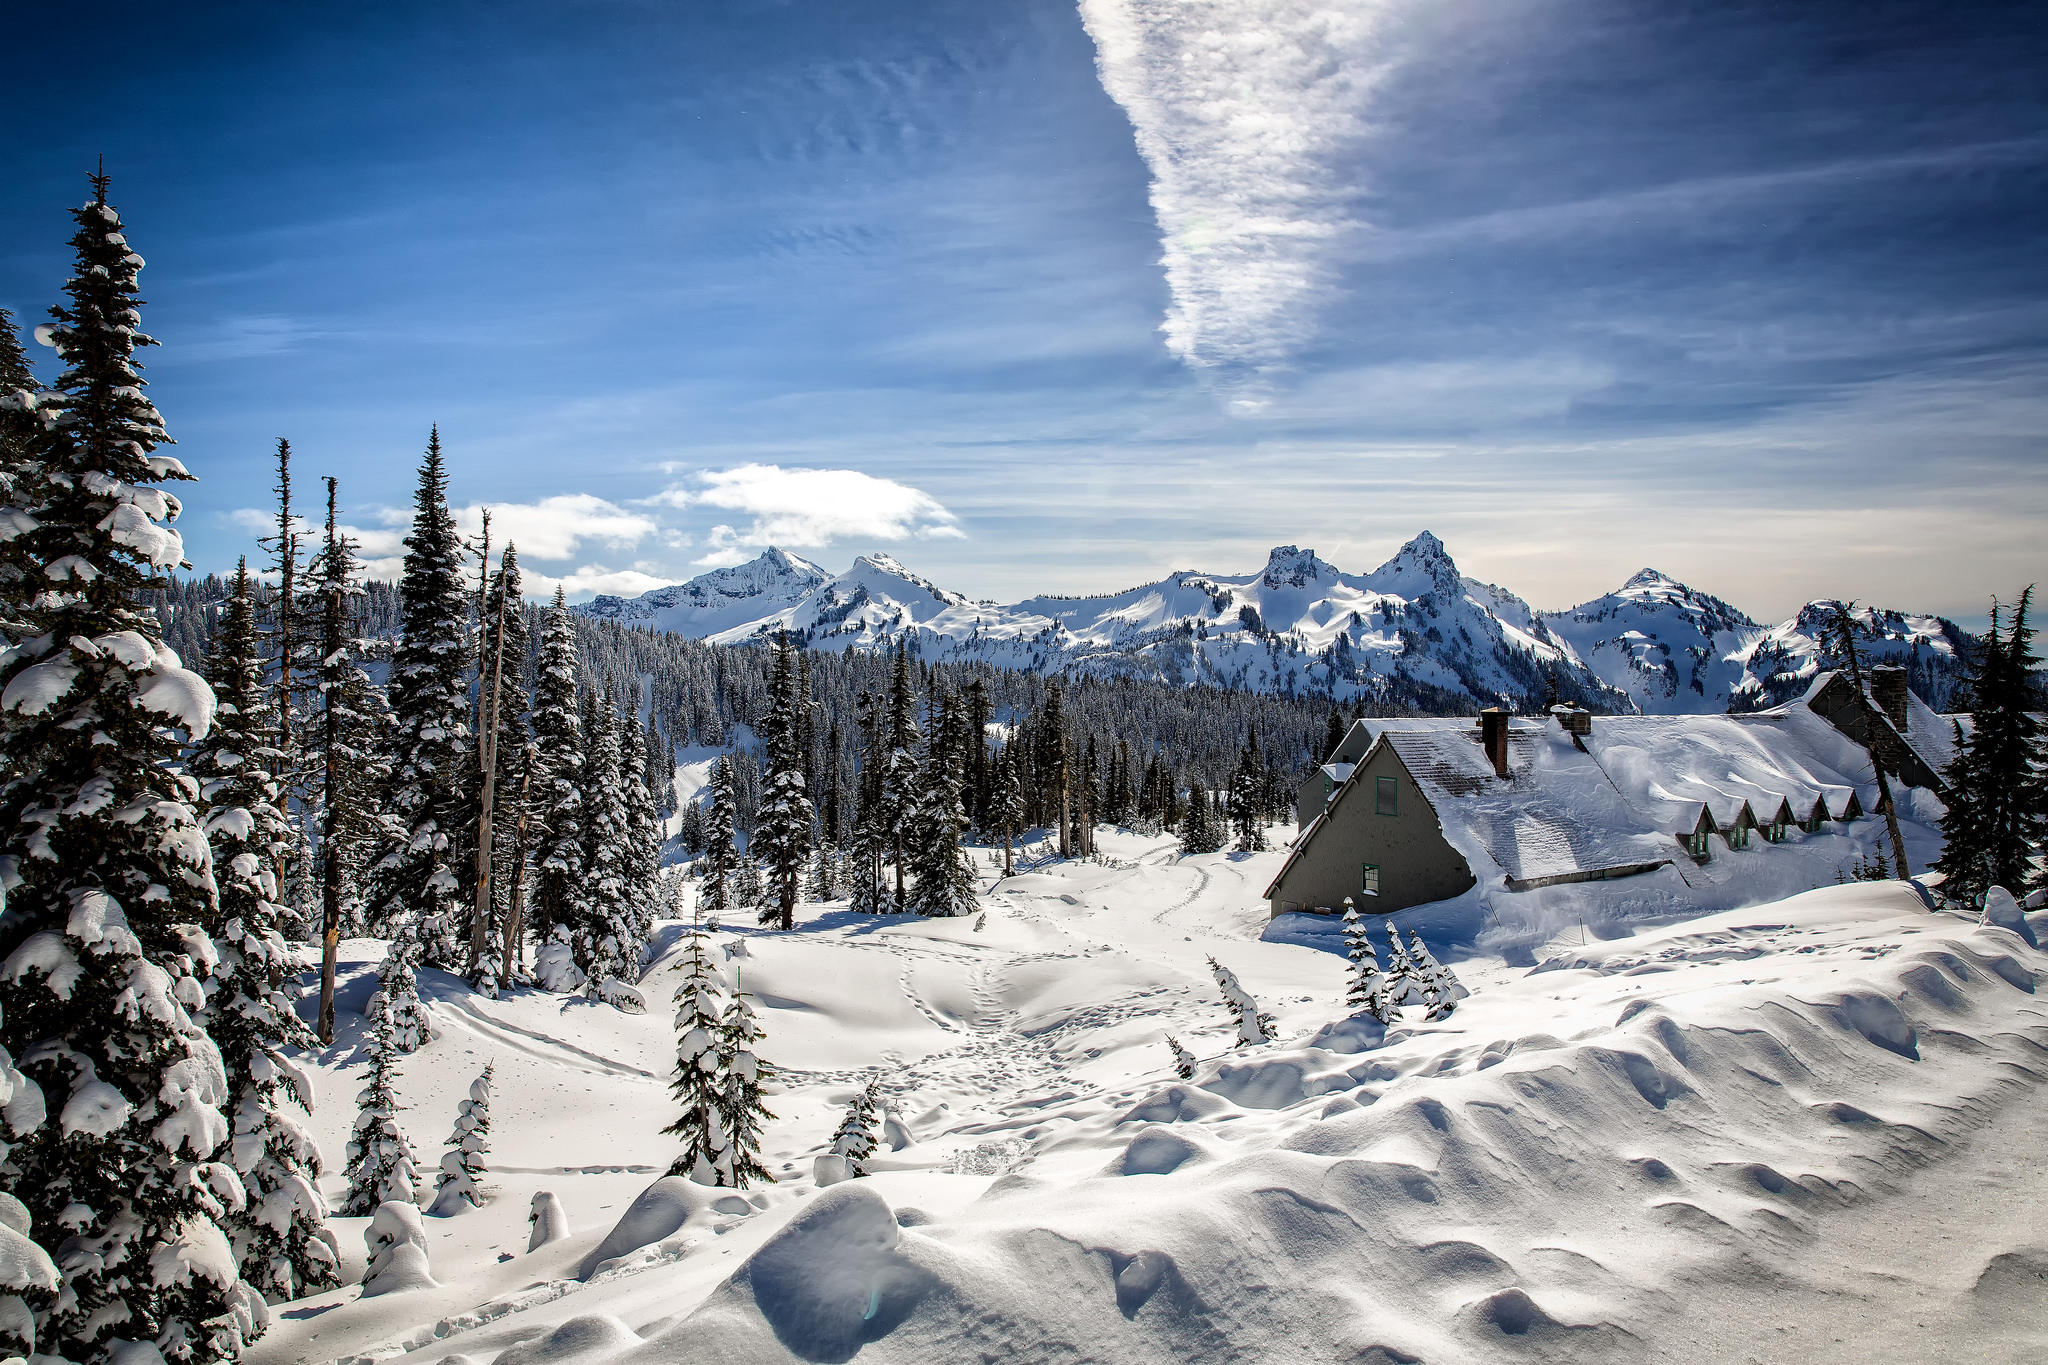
[[1243, 110], [807, 509]]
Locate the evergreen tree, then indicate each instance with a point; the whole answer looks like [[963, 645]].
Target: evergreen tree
[[700, 1079], [643, 844], [1333, 735], [559, 900], [462, 1165], [1252, 1026], [1996, 823], [782, 831], [381, 1168], [1183, 1060], [606, 951], [344, 746], [1441, 990], [896, 792], [945, 882], [22, 439], [280, 1234], [1247, 804], [106, 869], [1402, 983], [740, 1104], [1366, 991], [1007, 806], [721, 850], [1198, 832], [855, 1138], [285, 648], [416, 889], [396, 1001]]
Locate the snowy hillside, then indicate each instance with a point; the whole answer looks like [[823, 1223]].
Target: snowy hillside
[[1414, 632], [1729, 1137]]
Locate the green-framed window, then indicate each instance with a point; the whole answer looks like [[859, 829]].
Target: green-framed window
[[1777, 832], [1739, 837], [1386, 796], [1369, 878], [1696, 843]]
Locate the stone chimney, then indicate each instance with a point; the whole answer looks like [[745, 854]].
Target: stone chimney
[[1576, 720], [1493, 734], [1888, 687]]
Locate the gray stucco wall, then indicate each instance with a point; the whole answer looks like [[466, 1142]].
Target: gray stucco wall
[[1416, 864]]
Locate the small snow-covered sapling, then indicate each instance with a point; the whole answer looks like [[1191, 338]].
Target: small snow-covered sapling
[[462, 1165], [1183, 1060], [854, 1142], [1253, 1027]]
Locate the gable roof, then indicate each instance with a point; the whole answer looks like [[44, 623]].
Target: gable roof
[[1668, 767]]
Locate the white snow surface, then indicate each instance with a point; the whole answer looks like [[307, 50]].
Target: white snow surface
[[1789, 1131]]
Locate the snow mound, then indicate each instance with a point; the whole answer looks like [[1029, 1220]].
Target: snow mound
[[657, 1214], [548, 1221], [836, 1278], [591, 1336], [2003, 912], [397, 1243]]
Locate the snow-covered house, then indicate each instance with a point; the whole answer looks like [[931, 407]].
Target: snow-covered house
[[1419, 810]]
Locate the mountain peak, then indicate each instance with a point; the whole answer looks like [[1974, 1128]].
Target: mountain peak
[[1422, 565], [1290, 566]]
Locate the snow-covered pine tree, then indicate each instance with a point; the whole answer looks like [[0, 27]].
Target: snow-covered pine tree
[[280, 1234], [1366, 989], [462, 1165], [1997, 808], [945, 875], [854, 1141], [416, 887], [1198, 833], [721, 848], [22, 436], [558, 896], [381, 1167], [1252, 1026], [106, 870], [606, 948], [741, 1107], [1402, 983], [344, 745], [706, 1153], [1183, 1060], [781, 840], [396, 1000], [1007, 806], [643, 842], [1441, 989], [1247, 782], [896, 789], [869, 839]]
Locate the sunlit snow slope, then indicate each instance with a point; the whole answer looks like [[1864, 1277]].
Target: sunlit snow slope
[[1800, 1131]]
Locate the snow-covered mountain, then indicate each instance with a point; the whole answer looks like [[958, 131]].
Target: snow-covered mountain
[[1414, 631]]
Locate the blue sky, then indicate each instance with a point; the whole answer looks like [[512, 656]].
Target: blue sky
[[1041, 295]]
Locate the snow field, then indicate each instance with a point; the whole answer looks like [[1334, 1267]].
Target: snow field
[[1782, 1132]]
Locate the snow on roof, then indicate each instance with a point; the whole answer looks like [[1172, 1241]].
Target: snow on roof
[[1554, 816], [1930, 735], [1338, 772], [1669, 766]]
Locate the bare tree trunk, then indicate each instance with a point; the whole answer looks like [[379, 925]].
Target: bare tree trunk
[[330, 850], [515, 901], [487, 717], [1879, 746]]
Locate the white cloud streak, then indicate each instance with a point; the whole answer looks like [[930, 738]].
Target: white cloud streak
[[807, 509], [1242, 110]]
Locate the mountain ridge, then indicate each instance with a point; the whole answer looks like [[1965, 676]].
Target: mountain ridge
[[1414, 632]]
